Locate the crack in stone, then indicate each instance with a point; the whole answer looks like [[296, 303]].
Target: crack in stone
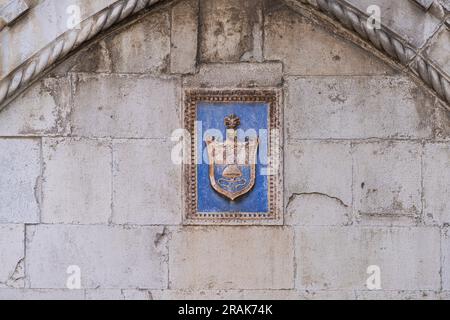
[[295, 195], [17, 277], [160, 237]]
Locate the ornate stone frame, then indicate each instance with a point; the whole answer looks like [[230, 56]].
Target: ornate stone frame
[[275, 191]]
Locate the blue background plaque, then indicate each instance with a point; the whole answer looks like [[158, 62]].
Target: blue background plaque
[[254, 116]]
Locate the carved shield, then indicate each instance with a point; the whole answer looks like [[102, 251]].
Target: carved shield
[[232, 165]]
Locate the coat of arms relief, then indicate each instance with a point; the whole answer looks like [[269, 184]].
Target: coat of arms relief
[[232, 163], [234, 174]]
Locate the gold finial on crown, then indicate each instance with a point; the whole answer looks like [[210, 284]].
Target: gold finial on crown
[[232, 122]]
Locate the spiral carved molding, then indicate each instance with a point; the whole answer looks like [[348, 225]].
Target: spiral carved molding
[[68, 42], [393, 46]]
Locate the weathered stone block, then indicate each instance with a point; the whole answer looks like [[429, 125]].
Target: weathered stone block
[[357, 107], [128, 106], [39, 294], [237, 75], [12, 252], [232, 258], [245, 295], [41, 110], [192, 295], [442, 123], [446, 258], [11, 10], [116, 294], [327, 294], [436, 182], [336, 258], [20, 168], [397, 295], [308, 49], [312, 209], [387, 179], [108, 257], [230, 30], [184, 42], [94, 58], [77, 181], [323, 169], [444, 295], [104, 295], [147, 184], [143, 47], [137, 295]]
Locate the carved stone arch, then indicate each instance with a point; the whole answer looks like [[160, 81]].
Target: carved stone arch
[[339, 14]]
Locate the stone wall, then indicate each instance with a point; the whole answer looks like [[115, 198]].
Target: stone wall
[[87, 178]]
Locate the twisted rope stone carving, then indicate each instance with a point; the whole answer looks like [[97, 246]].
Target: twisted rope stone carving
[[433, 78], [387, 43], [68, 42]]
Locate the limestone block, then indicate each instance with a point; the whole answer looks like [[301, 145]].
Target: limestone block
[[446, 259], [192, 295], [147, 185], [77, 181], [442, 123], [357, 107], [397, 295], [439, 50], [184, 42], [41, 110], [444, 295], [237, 75], [94, 58], [387, 179], [126, 106], [144, 47], [317, 210], [436, 182], [327, 295], [137, 295], [337, 258], [107, 257], [323, 169], [232, 258], [308, 49], [20, 168], [416, 27], [11, 10], [40, 294], [104, 295], [230, 30], [245, 295], [116, 294], [12, 252]]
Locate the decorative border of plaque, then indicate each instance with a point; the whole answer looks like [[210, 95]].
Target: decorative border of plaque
[[273, 99]]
